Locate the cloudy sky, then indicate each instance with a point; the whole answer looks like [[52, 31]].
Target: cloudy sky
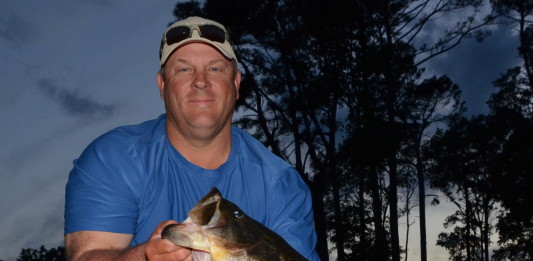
[[72, 69]]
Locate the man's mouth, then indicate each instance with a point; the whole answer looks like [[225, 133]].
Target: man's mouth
[[202, 100]]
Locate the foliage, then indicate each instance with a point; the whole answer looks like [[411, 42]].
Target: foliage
[[512, 119], [42, 254], [463, 158]]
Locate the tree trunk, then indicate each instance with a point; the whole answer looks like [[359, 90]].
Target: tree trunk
[[363, 243], [393, 201], [468, 237], [486, 229], [339, 230], [421, 202], [407, 220], [317, 191], [381, 248], [332, 171]]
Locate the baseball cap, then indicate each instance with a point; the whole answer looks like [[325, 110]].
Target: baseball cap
[[195, 29]]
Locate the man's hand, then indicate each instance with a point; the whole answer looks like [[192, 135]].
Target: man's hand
[[158, 249], [97, 245]]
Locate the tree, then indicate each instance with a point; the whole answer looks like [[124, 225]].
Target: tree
[[42, 254], [511, 118], [462, 159], [437, 101], [519, 13], [512, 122], [389, 40]]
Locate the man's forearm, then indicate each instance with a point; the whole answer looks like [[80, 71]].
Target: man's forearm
[[135, 254]]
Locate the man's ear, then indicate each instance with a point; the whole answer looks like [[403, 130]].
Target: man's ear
[[161, 85], [237, 82]]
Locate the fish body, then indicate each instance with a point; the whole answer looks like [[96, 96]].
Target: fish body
[[218, 230]]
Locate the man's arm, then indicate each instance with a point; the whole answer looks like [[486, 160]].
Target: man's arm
[[92, 245], [97, 245]]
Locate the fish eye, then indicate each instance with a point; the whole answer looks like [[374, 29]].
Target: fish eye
[[237, 214]]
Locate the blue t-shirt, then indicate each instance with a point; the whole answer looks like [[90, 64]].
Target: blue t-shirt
[[131, 179]]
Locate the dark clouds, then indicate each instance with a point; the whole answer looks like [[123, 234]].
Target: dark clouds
[[72, 102], [15, 29], [475, 65]]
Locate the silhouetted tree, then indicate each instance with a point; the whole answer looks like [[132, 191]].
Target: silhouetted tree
[[436, 102], [42, 254], [399, 24], [518, 13], [388, 55], [463, 158], [511, 117]]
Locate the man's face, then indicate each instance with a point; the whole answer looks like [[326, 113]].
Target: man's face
[[200, 89]]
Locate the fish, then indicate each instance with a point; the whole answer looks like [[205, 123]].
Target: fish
[[218, 230]]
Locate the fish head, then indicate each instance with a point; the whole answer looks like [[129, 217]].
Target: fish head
[[217, 226]]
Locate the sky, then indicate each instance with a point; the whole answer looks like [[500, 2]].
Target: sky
[[71, 70]]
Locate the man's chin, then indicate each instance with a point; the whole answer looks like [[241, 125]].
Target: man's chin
[[207, 128]]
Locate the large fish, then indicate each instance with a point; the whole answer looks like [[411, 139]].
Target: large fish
[[218, 230]]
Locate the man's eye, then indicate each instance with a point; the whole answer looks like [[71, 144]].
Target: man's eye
[[215, 69]]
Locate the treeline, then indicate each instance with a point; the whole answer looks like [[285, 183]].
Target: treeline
[[338, 88], [42, 254]]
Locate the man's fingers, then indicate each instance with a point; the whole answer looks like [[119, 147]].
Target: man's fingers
[[160, 227], [159, 249]]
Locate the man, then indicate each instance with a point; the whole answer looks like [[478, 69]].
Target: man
[[134, 180]]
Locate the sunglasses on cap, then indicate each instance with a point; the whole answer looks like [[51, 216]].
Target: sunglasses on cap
[[207, 31]]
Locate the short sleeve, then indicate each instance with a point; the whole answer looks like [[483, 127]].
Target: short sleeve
[[99, 194], [292, 213]]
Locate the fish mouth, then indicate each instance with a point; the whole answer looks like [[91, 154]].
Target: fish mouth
[[204, 247], [191, 233], [187, 234]]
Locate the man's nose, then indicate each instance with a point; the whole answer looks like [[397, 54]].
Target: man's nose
[[200, 80]]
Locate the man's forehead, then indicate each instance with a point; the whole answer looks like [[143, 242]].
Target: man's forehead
[[190, 52], [207, 62]]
